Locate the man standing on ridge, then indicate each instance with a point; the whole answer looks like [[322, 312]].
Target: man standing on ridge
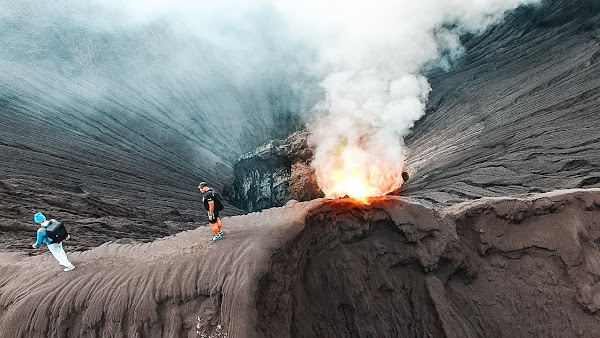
[[213, 204], [55, 248]]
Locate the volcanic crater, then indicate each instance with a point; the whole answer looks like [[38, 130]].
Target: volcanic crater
[[496, 233]]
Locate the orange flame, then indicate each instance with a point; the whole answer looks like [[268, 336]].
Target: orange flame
[[353, 185], [352, 172]]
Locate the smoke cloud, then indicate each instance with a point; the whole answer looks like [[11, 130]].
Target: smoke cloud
[[372, 56]]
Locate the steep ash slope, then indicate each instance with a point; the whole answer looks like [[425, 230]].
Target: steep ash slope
[[520, 111], [90, 220], [137, 112], [494, 267], [98, 112]]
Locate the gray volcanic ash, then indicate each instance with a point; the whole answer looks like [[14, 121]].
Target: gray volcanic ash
[[493, 267]]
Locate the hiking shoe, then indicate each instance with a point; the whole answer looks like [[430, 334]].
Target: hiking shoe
[[217, 238], [69, 268]]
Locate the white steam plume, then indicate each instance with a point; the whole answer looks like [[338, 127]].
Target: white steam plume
[[219, 65], [373, 54]]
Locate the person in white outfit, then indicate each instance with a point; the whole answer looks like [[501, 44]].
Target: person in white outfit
[[55, 248]]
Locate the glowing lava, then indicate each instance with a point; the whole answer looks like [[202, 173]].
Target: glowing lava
[[353, 185], [353, 172]]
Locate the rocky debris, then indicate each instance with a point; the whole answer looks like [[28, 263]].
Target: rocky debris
[[388, 267], [273, 174]]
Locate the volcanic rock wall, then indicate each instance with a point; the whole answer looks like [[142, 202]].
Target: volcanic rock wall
[[273, 174], [494, 267]]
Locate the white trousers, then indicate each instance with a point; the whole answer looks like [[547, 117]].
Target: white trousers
[[59, 253]]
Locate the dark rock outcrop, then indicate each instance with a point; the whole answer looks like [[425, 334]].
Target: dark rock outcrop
[[273, 174], [494, 267]]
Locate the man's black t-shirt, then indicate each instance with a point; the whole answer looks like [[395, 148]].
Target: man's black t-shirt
[[209, 196]]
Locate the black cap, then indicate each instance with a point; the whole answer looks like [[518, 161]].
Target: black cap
[[202, 185]]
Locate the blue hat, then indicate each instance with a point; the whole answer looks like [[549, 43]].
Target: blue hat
[[39, 217]]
